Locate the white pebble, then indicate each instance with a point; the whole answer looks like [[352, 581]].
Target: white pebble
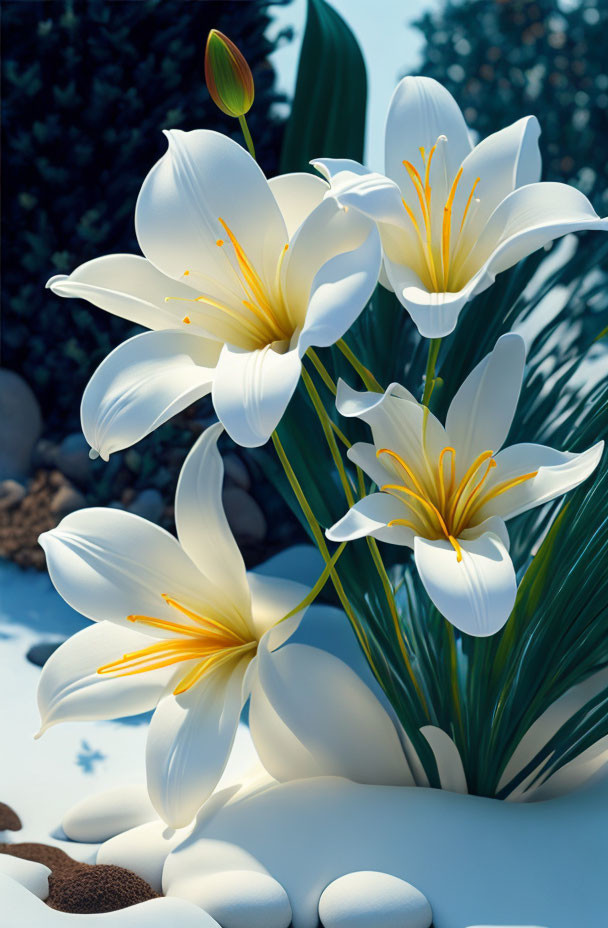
[[143, 850], [29, 873], [239, 898], [370, 899], [103, 815]]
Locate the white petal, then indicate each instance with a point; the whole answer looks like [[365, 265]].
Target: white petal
[[434, 314], [311, 714], [526, 220], [272, 598], [297, 195], [143, 383], [447, 756], [492, 524], [189, 742], [558, 472], [481, 413], [202, 526], [503, 161], [370, 516], [476, 594], [420, 111], [364, 456], [332, 244], [251, 391], [372, 194], [204, 176], [70, 688], [108, 564], [339, 293], [398, 422], [127, 286]]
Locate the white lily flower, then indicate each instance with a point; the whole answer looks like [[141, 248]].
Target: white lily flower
[[452, 216], [178, 626], [241, 276], [447, 491]]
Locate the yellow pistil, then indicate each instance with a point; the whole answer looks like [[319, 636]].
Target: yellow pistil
[[208, 642], [441, 511], [437, 256]]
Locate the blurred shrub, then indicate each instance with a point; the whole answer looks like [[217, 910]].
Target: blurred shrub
[[503, 59], [88, 86]]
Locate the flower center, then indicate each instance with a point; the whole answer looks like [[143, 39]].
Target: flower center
[[441, 260], [440, 507], [259, 311], [210, 643]]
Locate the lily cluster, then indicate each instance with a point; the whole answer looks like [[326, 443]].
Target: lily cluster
[[241, 278]]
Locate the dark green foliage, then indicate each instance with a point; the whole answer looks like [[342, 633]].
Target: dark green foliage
[[88, 87], [504, 60], [328, 112]]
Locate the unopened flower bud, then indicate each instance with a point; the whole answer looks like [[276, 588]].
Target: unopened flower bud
[[228, 75]]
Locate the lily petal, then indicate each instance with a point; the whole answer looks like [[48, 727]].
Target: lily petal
[[558, 472], [503, 161], [143, 383], [189, 742], [376, 196], [297, 196], [322, 734], [363, 454], [109, 564], [481, 413], [370, 516], [203, 176], [332, 243], [202, 526], [71, 690], [127, 286], [476, 594], [420, 111], [251, 391], [434, 314], [272, 598], [525, 221]]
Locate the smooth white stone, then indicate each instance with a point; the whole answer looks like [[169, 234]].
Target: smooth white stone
[[478, 861], [370, 899], [143, 850], [103, 815], [29, 873], [239, 898], [22, 909]]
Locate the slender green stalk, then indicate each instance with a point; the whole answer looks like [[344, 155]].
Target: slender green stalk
[[247, 134], [322, 546], [386, 583], [310, 597], [429, 376], [366, 376], [322, 370], [329, 435]]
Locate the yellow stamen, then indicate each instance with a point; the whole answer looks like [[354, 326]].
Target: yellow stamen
[[446, 229], [406, 468], [442, 494], [502, 488], [479, 460], [420, 191], [203, 619], [421, 499], [220, 242], [187, 320], [473, 493], [427, 173], [466, 209]]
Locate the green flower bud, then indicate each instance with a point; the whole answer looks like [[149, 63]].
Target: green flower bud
[[228, 75]]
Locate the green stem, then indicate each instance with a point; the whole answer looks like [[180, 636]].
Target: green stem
[[247, 134], [322, 371], [366, 376], [429, 376], [322, 546], [310, 598], [329, 435]]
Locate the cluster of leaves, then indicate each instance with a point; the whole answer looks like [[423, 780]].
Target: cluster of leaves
[[485, 692], [503, 60], [88, 87]]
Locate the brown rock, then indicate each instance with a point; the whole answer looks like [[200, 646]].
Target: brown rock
[[67, 499], [11, 493], [9, 820]]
